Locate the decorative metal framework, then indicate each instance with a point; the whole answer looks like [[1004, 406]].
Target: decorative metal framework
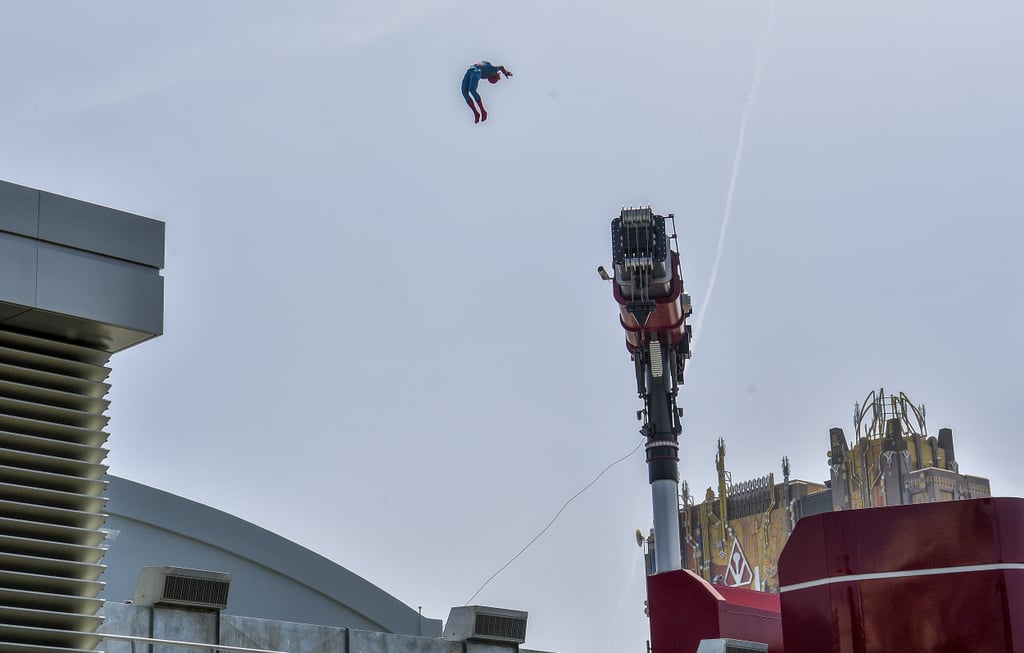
[[871, 418]]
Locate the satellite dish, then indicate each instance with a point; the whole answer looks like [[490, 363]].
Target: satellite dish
[[639, 538]]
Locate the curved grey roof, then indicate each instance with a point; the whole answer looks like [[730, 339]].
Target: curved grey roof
[[271, 577]]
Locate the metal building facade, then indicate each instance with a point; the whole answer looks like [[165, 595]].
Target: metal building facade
[[78, 282], [271, 577]]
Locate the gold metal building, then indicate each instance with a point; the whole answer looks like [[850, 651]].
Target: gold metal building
[[735, 535], [894, 461]]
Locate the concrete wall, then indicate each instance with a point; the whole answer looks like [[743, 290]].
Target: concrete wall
[[283, 636], [265, 634]]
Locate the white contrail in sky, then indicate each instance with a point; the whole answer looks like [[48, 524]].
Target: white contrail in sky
[[747, 110]]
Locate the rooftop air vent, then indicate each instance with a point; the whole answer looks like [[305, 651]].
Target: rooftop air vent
[[484, 624], [186, 588]]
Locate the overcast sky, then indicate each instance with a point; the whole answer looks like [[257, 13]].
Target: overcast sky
[[384, 335]]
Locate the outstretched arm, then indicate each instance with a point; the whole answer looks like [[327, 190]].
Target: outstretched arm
[[505, 71]]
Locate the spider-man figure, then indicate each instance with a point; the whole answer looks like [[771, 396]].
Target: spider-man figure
[[469, 83]]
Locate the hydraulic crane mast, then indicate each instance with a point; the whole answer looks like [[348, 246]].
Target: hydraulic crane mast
[[648, 286]]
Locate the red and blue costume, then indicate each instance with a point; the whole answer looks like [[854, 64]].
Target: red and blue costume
[[481, 69]]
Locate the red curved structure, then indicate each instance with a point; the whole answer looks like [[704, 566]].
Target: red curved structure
[[686, 609], [929, 578], [668, 318]]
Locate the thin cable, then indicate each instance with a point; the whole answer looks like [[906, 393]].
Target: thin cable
[[747, 110], [544, 530]]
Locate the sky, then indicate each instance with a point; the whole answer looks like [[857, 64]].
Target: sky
[[385, 338]]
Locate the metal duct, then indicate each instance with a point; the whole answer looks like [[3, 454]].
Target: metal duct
[[497, 626]]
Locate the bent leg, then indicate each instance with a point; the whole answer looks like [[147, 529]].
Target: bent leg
[[466, 83], [470, 82], [469, 92]]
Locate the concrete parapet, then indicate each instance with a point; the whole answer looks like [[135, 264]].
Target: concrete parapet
[[282, 635], [206, 627]]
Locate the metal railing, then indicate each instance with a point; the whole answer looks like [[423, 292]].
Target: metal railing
[[171, 642]]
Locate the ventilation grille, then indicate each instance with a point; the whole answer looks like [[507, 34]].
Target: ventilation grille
[[52, 400], [657, 371], [187, 588], [492, 626], [486, 624]]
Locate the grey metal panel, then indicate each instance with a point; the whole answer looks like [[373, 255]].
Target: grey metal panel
[[48, 574], [79, 272], [103, 303], [48, 497], [89, 390], [816, 504], [53, 464], [18, 261], [51, 480], [34, 617], [42, 636], [100, 229], [104, 337], [52, 515], [32, 392], [46, 429], [13, 404], [100, 289], [64, 551], [53, 532], [55, 356], [8, 311], [41, 578], [50, 446], [19, 209], [49, 601], [270, 576]]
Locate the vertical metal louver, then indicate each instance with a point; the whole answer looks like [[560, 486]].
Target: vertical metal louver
[[52, 440]]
